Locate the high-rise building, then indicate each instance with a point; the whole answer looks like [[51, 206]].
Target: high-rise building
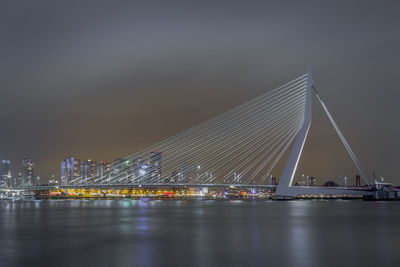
[[27, 172], [64, 172], [138, 172], [88, 168], [136, 167], [69, 170], [273, 180], [117, 167], [155, 167], [196, 171], [141, 171], [358, 180], [5, 172], [123, 170], [127, 170], [311, 181], [93, 167], [103, 168], [185, 173], [18, 179]]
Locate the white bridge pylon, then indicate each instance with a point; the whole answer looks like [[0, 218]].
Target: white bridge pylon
[[239, 147], [285, 187]]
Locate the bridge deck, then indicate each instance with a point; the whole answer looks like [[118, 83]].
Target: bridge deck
[[116, 186]]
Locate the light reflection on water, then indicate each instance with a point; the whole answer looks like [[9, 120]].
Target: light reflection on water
[[198, 233]]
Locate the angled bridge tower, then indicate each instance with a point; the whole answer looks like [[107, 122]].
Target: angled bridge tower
[[285, 187]]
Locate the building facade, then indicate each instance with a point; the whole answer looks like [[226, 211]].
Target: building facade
[[5, 172], [88, 168], [28, 178], [103, 168], [155, 167], [18, 179], [70, 170]]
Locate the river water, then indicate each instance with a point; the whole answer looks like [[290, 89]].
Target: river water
[[199, 233]]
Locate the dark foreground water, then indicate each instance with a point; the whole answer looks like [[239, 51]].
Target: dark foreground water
[[199, 233]]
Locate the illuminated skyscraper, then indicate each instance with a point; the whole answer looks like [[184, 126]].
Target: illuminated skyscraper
[[103, 168], [69, 170], [88, 168], [5, 179], [196, 171], [18, 179], [127, 167], [155, 167], [27, 172], [141, 171], [185, 173], [137, 169], [117, 168]]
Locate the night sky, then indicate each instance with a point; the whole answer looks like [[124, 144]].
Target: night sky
[[102, 79]]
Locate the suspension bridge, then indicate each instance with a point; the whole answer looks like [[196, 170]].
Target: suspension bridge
[[245, 147]]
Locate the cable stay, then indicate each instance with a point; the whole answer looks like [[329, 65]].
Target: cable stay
[[342, 138], [242, 146]]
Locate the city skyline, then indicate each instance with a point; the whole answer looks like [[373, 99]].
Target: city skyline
[[241, 146]]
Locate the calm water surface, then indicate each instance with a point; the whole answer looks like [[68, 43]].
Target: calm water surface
[[199, 233]]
